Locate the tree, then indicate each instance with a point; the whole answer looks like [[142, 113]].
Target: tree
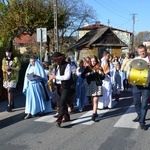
[[78, 13], [19, 16], [4, 1], [25, 16], [141, 37]]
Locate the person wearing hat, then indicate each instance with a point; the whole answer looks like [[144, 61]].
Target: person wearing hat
[[63, 79], [10, 67]]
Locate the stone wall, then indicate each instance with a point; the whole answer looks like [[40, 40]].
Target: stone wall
[[87, 53]]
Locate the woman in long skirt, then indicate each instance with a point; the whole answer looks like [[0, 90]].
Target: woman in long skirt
[[37, 97]]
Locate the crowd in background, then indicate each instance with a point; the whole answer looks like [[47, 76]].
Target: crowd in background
[[88, 81], [85, 91], [67, 84]]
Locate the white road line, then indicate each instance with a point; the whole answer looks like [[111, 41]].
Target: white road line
[[126, 120], [86, 118], [125, 97], [48, 118]]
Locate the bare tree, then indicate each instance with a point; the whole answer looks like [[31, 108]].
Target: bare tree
[[78, 13]]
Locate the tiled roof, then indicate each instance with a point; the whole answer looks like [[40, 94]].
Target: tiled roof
[[24, 39], [98, 25], [93, 26]]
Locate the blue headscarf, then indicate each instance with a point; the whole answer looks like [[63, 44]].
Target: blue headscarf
[[38, 70]]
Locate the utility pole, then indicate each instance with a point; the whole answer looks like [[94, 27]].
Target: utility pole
[[55, 26], [108, 22], [134, 19]]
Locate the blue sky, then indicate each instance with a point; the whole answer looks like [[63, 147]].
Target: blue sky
[[119, 13]]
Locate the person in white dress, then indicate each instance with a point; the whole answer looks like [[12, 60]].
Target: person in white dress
[[105, 102]]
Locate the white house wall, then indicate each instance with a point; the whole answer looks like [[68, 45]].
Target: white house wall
[[147, 43], [82, 33], [123, 36]]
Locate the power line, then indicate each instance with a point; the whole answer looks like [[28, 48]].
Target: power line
[[110, 10], [109, 4], [125, 23], [118, 6]]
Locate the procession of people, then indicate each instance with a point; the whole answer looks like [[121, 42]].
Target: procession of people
[[89, 81]]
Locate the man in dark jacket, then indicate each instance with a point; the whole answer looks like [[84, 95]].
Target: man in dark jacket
[[63, 80]]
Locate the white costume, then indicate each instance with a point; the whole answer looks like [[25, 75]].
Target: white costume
[[106, 99]]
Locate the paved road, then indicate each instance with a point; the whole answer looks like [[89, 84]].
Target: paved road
[[113, 130], [7, 118]]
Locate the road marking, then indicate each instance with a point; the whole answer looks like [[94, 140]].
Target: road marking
[[126, 119], [48, 118], [125, 97], [86, 118]]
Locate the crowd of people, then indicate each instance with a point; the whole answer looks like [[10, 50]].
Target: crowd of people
[[66, 84]]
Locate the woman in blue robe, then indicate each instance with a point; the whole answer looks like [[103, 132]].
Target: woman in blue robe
[[37, 96], [81, 97]]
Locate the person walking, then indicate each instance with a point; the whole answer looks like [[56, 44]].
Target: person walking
[[94, 75], [72, 99], [124, 67], [10, 67], [117, 75], [34, 88], [141, 93], [63, 79], [81, 98], [105, 102]]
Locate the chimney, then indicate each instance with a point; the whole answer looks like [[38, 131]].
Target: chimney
[[97, 23], [86, 24]]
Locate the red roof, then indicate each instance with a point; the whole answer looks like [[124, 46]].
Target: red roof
[[24, 39], [93, 26], [98, 25]]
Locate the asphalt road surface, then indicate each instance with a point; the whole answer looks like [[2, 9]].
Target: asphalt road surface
[[113, 130]]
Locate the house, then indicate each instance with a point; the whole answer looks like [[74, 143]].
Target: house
[[124, 36], [146, 43], [96, 41], [25, 43], [22, 43]]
